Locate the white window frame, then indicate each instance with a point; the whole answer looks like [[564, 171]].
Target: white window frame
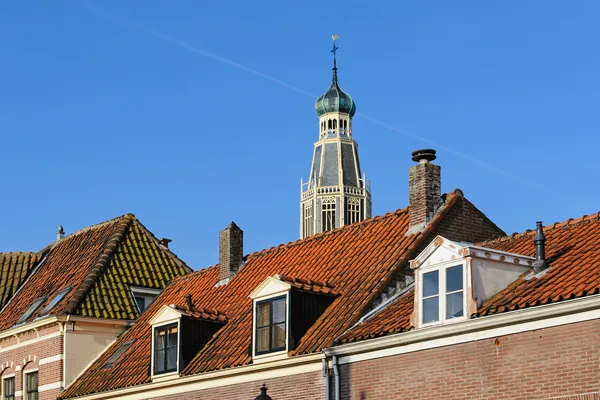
[[154, 375], [276, 354], [441, 268], [138, 291], [9, 376], [25, 373]]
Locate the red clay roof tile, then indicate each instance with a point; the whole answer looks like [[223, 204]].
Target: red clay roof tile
[[572, 252], [356, 262], [93, 263]]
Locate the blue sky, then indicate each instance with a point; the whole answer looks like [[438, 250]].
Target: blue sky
[[191, 114]]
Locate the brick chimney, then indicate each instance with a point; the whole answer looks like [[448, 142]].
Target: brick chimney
[[424, 189], [231, 252]]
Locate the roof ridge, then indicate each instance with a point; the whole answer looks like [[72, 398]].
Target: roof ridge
[[101, 263], [94, 226], [174, 256], [17, 253], [327, 233], [547, 228]]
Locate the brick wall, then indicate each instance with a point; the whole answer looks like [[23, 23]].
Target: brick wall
[[465, 223], [231, 250], [19, 360], [303, 386], [424, 192], [559, 362]]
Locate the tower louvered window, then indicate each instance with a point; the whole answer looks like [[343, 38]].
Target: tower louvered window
[[328, 214]]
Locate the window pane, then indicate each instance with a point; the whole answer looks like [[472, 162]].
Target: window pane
[[159, 340], [262, 339], [454, 279], [262, 315], [454, 305], [279, 336], [141, 303], [159, 361], [172, 358], [431, 310], [430, 284], [279, 311], [172, 340], [9, 388]]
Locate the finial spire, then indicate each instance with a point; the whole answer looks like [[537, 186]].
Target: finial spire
[[334, 51]]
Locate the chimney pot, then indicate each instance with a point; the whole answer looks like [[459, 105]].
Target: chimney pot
[[539, 240], [231, 251], [424, 189], [60, 233], [424, 156], [188, 301]]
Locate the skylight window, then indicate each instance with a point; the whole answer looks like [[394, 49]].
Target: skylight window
[[57, 299], [113, 359], [34, 306]]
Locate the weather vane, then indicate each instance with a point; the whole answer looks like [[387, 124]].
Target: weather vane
[[334, 37]]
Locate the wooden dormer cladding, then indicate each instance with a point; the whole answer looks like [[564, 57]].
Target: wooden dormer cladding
[[305, 309]]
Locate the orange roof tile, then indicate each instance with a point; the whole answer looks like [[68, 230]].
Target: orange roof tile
[[356, 262], [573, 255], [93, 262]]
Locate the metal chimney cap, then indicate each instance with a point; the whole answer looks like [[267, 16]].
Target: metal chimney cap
[[423, 156], [539, 232]]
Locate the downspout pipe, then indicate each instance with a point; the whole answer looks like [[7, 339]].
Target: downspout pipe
[[326, 376], [336, 377]]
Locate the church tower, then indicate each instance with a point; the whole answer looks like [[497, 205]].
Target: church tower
[[336, 193]]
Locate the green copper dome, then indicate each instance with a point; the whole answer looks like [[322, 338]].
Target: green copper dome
[[335, 99]]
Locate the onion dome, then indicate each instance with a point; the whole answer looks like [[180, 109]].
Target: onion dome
[[335, 99]]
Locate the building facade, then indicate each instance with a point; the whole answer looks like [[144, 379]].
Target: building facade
[[78, 295]]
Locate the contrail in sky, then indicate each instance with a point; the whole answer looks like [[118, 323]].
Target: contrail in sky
[[185, 45]]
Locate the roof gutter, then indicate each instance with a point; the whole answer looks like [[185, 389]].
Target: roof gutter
[[519, 317]]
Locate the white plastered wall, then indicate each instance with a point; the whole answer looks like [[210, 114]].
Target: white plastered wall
[[84, 344]]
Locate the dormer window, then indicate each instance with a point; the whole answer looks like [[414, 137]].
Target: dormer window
[[271, 325], [144, 297], [166, 348], [284, 309], [442, 299], [178, 335], [452, 279]]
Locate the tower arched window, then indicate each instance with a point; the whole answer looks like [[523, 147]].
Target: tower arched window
[[335, 124], [328, 214], [308, 219], [329, 124], [353, 210]]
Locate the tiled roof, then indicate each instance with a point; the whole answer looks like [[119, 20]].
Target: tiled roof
[[14, 268], [572, 252], [98, 263], [357, 261], [394, 318], [308, 285]]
